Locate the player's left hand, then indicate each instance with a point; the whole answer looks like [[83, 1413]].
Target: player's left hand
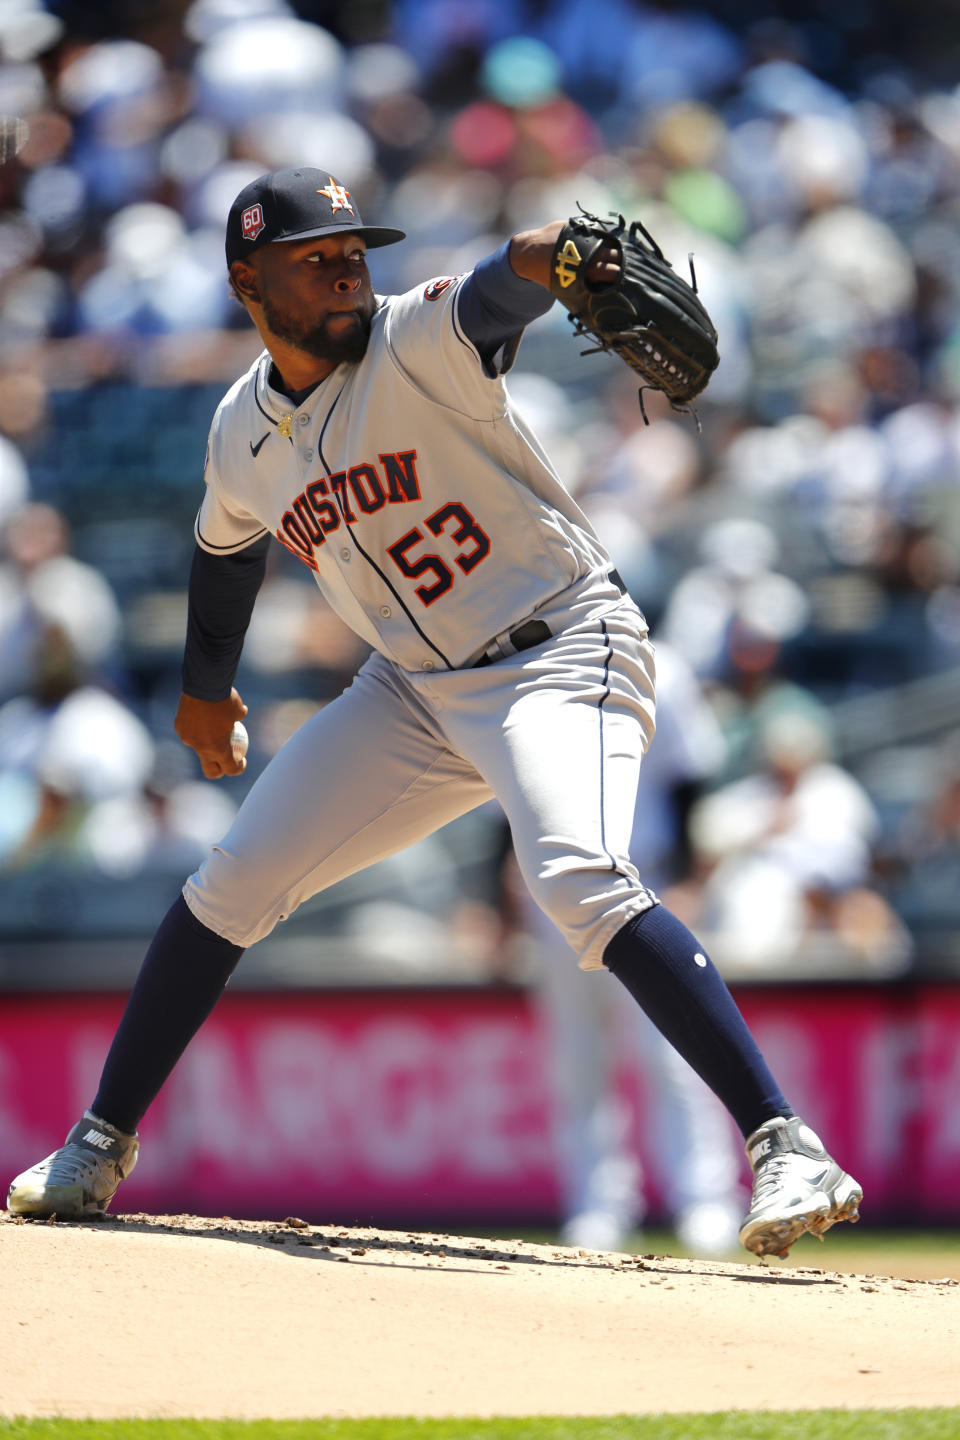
[[622, 293], [205, 726]]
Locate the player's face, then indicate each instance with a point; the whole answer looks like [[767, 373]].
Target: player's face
[[316, 295]]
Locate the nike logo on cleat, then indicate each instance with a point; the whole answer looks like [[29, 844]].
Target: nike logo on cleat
[[255, 449], [102, 1142]]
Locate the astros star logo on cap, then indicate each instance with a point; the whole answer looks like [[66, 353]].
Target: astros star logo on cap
[[339, 197]]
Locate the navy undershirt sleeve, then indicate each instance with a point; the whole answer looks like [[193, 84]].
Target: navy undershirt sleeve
[[220, 601], [495, 303]]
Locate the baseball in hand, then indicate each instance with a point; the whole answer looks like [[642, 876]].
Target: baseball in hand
[[239, 740]]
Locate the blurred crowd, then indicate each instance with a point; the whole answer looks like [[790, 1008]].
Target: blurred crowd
[[796, 545]]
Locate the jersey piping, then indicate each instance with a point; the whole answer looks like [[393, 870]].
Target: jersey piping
[[458, 330], [603, 697], [256, 401], [369, 558], [237, 545]]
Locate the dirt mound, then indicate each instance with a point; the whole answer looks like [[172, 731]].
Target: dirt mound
[[178, 1316]]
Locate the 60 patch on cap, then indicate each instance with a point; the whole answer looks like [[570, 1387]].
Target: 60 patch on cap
[[297, 204], [252, 222]]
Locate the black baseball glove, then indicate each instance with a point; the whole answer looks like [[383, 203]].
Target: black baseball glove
[[649, 316]]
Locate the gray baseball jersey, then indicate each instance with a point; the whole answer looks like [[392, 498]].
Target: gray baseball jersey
[[435, 526]]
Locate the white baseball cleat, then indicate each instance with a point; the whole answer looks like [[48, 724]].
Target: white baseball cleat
[[81, 1178], [797, 1188]]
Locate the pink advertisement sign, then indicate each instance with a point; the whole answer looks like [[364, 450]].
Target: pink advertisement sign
[[934, 1102], [387, 1107], [346, 1106]]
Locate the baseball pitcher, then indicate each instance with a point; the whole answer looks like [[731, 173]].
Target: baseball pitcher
[[374, 438]]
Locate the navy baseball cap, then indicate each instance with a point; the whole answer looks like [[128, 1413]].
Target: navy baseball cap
[[296, 205]]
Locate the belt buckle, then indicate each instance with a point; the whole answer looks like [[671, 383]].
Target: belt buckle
[[501, 646], [493, 652], [504, 645]]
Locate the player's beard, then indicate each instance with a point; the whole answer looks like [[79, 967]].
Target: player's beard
[[350, 345]]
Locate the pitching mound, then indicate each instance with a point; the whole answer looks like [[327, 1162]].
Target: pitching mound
[[178, 1316]]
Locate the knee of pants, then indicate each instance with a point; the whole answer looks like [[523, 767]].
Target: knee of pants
[[589, 903], [233, 901]]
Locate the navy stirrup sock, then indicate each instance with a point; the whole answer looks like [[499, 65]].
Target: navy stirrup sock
[[672, 978], [654, 956], [180, 981]]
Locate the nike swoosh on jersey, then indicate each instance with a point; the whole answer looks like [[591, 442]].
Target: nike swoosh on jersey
[[255, 449]]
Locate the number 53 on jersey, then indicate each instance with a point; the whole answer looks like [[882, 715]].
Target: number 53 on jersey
[[472, 540]]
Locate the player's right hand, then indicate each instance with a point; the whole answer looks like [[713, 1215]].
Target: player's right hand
[[205, 726]]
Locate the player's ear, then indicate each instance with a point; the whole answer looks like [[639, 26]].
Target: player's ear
[[245, 281]]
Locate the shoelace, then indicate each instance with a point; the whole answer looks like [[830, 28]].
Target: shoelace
[[769, 1178], [72, 1164]]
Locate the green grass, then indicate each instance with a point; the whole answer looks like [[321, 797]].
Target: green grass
[[769, 1425]]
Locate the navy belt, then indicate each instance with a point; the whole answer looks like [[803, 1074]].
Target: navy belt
[[534, 632]]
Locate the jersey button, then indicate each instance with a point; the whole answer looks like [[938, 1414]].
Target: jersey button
[[385, 611], [428, 665], [302, 419], [307, 454], [344, 553]]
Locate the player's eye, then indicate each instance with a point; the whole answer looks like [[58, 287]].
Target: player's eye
[[356, 257]]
